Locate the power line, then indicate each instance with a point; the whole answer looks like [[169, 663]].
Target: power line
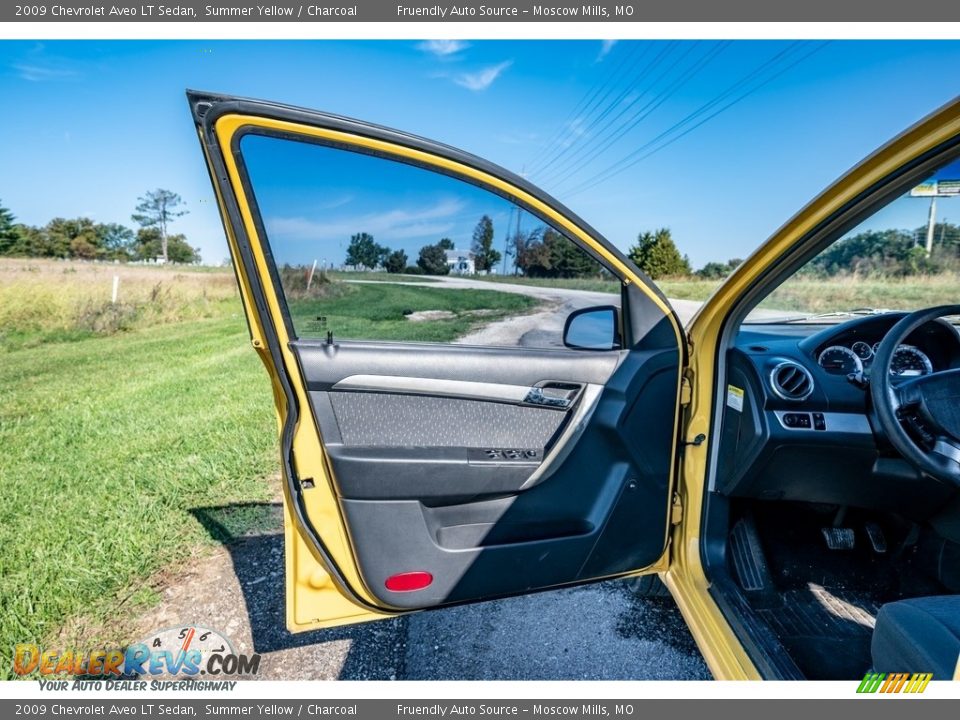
[[719, 98], [646, 110], [636, 156], [590, 122], [586, 103], [585, 132]]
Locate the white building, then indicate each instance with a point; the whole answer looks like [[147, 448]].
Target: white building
[[461, 262]]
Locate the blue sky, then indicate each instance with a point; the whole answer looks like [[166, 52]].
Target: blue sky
[[89, 126]]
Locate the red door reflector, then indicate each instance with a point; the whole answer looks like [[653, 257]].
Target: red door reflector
[[409, 581]]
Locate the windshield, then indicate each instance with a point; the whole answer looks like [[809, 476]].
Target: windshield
[[905, 256]]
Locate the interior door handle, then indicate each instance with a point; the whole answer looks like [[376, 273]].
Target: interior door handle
[[555, 395]]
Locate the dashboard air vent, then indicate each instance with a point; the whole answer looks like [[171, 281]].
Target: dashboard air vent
[[791, 381]]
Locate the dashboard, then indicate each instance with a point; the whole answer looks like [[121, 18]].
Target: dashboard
[[797, 422]]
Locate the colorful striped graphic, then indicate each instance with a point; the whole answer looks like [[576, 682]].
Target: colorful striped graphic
[[894, 682]]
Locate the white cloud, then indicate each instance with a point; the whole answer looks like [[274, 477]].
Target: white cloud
[[442, 48], [387, 226], [605, 47], [40, 73], [482, 79]]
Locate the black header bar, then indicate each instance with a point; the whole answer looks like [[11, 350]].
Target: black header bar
[[78, 11]]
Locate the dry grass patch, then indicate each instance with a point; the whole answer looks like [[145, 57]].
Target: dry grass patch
[[44, 300]]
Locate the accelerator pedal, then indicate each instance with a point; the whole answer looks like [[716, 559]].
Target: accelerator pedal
[[839, 538], [750, 564]]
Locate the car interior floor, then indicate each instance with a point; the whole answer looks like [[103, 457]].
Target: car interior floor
[[820, 595]]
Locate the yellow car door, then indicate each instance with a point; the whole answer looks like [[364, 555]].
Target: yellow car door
[[420, 475]]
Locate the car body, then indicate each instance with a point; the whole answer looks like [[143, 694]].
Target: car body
[[604, 460]]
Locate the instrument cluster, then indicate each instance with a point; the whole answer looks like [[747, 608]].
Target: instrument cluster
[[908, 360]]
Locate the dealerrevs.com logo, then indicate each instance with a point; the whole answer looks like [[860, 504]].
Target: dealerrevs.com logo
[[181, 652]]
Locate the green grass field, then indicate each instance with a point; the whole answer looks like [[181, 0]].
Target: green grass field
[[108, 443], [110, 440], [378, 311]]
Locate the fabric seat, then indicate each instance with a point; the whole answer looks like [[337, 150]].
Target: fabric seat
[[918, 635]]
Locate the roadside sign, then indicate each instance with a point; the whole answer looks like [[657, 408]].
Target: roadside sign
[[937, 188], [927, 189], [948, 187]]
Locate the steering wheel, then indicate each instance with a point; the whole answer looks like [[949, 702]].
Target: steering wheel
[[920, 415]]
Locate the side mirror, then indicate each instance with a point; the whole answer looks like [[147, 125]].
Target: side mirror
[[593, 328]]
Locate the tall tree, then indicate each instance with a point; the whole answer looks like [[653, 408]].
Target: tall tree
[[484, 256], [567, 260], [8, 231], [656, 254], [364, 252], [158, 209], [433, 260], [396, 262], [446, 244]]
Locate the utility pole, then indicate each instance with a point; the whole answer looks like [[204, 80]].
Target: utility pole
[[931, 224], [519, 215], [506, 239]]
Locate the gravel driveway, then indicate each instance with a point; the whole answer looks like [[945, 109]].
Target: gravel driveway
[[592, 632]]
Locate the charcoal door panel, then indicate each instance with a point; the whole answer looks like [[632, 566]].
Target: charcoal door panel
[[443, 468]]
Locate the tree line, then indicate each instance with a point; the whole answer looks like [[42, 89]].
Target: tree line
[[876, 253], [891, 253], [364, 252], [84, 239], [538, 253]]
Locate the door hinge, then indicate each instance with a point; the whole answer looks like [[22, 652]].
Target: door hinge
[[676, 510], [686, 391]]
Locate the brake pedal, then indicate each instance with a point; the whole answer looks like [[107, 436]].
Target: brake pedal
[[878, 541], [838, 538]]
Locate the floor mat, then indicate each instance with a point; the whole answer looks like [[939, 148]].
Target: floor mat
[[826, 630]]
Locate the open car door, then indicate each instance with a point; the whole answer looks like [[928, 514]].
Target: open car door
[[418, 475]]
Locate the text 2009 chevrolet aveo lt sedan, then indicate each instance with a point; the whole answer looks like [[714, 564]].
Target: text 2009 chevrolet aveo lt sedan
[[792, 476]]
